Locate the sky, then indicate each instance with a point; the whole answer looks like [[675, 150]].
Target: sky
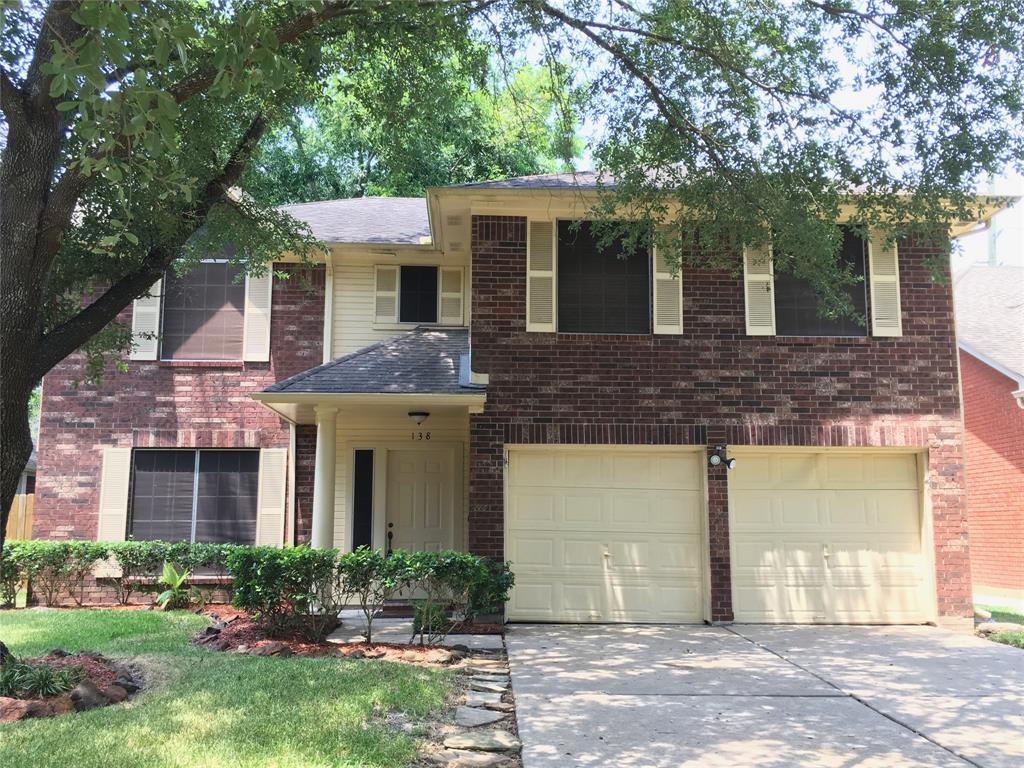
[[1004, 241]]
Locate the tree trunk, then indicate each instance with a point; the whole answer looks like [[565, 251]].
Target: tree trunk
[[16, 439]]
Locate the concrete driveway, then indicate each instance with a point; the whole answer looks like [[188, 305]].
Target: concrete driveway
[[754, 695]]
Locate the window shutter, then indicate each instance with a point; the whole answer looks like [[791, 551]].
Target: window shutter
[[385, 308], [451, 296], [270, 505], [668, 296], [884, 274], [146, 325], [540, 277], [256, 321], [759, 291], [115, 479]]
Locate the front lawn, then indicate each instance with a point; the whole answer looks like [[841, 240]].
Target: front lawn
[[1015, 639], [203, 708]]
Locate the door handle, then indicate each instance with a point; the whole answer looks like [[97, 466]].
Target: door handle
[[391, 535], [825, 553], [608, 557]]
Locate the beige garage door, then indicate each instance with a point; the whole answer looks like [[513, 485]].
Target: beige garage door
[[826, 537], [605, 535]]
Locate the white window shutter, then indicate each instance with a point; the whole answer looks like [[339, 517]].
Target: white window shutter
[[385, 305], [146, 325], [112, 525], [759, 290], [668, 296], [256, 321], [451, 292], [540, 277], [270, 503], [884, 274]]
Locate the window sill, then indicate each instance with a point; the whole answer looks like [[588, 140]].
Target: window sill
[[201, 363]]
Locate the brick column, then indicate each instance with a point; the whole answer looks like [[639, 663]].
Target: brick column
[[718, 542]]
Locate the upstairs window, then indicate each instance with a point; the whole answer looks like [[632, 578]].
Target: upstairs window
[[189, 495], [601, 290], [203, 313], [418, 292], [797, 303]]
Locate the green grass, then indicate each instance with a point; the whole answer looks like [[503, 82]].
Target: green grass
[[1015, 639], [203, 708]]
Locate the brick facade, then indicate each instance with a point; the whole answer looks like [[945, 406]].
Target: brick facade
[[166, 404], [995, 478], [714, 384]]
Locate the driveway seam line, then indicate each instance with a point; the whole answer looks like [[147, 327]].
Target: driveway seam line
[[858, 699]]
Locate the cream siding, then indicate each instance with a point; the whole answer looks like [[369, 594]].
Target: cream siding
[[354, 292]]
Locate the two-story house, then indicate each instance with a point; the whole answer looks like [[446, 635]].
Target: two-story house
[[470, 371]]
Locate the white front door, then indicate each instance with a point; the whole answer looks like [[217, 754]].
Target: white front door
[[420, 501]]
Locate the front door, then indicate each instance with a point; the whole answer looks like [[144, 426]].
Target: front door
[[420, 501]]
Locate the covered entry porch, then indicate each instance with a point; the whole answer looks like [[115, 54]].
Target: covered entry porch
[[392, 437]]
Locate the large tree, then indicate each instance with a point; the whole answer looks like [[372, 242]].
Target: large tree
[[481, 125], [128, 123]]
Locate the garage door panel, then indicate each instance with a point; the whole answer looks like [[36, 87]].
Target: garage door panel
[[839, 543], [623, 532]]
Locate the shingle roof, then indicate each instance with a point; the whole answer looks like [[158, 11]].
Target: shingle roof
[[990, 313], [423, 361], [579, 179], [365, 219]]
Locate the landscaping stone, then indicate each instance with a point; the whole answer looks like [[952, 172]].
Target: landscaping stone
[[58, 653], [87, 696], [115, 694], [484, 741], [501, 706], [482, 698], [471, 717], [62, 705], [13, 709], [273, 648], [438, 656], [501, 679], [125, 679], [242, 649], [461, 758], [998, 627], [483, 685], [982, 615]]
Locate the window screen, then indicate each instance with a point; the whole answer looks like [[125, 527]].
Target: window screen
[[170, 503], [417, 301], [796, 302], [601, 290], [203, 313]]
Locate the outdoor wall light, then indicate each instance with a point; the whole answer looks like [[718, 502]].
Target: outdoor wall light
[[418, 416], [718, 457]]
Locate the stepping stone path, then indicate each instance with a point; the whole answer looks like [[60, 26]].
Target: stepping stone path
[[482, 699], [463, 758], [476, 684], [471, 717], [484, 741]]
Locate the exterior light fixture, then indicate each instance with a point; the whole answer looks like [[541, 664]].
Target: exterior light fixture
[[418, 416], [718, 458]]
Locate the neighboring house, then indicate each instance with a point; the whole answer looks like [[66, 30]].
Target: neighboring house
[[990, 329], [19, 522], [469, 371]]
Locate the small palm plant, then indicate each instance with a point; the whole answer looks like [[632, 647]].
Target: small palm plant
[[177, 593]]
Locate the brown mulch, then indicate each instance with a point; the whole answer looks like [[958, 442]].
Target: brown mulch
[[241, 630], [99, 672]]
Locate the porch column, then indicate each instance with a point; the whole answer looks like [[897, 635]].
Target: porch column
[[323, 478]]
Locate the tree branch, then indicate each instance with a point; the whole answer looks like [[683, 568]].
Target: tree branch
[[72, 333]]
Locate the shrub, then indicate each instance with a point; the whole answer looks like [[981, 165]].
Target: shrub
[[490, 589], [45, 565], [80, 558], [136, 559], [11, 574], [372, 579], [290, 591]]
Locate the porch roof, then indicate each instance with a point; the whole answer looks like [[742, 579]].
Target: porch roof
[[423, 361]]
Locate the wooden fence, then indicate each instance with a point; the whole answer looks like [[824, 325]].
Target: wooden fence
[[19, 524]]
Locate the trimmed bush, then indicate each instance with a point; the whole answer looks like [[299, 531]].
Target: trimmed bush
[[138, 560]]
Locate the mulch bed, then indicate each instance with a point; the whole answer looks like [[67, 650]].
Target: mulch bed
[[234, 630], [105, 683]]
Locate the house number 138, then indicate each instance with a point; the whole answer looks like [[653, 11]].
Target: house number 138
[[420, 435]]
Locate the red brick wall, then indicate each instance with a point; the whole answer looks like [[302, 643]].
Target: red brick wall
[[715, 384], [995, 476], [180, 405]]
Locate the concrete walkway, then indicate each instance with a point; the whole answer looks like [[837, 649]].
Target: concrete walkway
[[399, 631], [752, 695]]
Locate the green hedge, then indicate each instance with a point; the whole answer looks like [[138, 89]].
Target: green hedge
[[291, 590], [56, 569]]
